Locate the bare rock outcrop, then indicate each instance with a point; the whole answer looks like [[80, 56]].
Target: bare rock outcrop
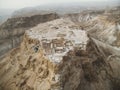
[[105, 30], [12, 30], [55, 56], [103, 25]]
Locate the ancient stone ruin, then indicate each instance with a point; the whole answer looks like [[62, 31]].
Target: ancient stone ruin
[[55, 56]]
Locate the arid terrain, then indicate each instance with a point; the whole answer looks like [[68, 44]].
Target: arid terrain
[[50, 51]]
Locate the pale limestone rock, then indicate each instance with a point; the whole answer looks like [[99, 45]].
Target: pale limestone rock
[[55, 56], [12, 31]]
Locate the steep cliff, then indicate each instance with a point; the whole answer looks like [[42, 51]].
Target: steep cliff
[[12, 30], [105, 29], [57, 55], [103, 25]]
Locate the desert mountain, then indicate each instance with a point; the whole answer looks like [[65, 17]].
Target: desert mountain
[[12, 31], [58, 55], [77, 51], [103, 25]]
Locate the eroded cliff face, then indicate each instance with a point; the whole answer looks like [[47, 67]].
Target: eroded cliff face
[[12, 30], [103, 25], [105, 30], [57, 55]]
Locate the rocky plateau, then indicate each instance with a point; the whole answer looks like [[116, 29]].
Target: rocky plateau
[[12, 31], [78, 51]]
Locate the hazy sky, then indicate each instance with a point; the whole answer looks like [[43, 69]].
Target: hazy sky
[[16, 4]]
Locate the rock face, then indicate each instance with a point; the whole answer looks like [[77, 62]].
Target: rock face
[[12, 30], [57, 55], [103, 25], [29, 21], [105, 30]]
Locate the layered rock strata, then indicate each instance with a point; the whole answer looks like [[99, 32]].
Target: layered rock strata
[[55, 56], [13, 29], [101, 24]]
